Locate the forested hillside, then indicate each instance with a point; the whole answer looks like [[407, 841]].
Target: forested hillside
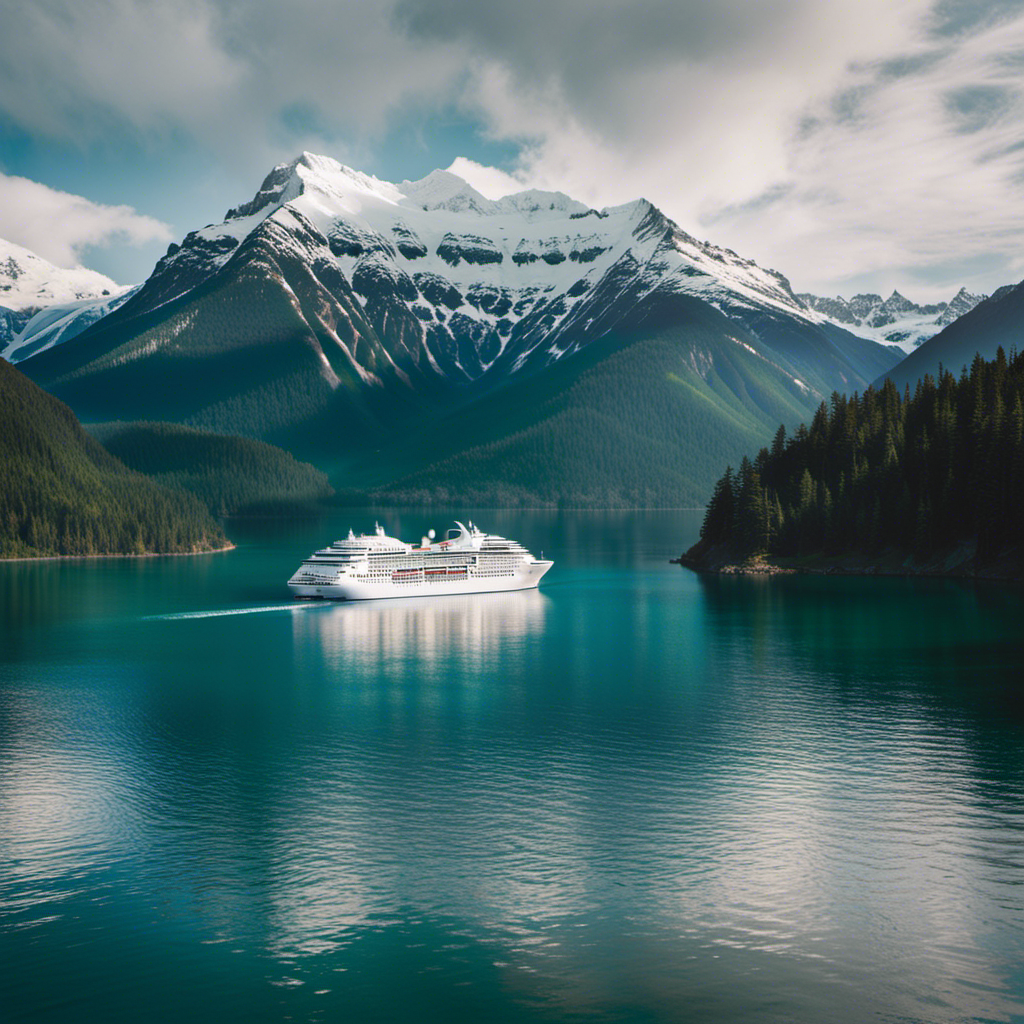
[[884, 470], [638, 419], [62, 493], [231, 475]]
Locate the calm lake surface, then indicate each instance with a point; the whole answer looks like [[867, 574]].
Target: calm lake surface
[[635, 795]]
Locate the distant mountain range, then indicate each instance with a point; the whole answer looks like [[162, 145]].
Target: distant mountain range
[[895, 320], [420, 340], [30, 285], [998, 321]]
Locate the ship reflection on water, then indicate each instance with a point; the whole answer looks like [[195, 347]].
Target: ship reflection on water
[[394, 635]]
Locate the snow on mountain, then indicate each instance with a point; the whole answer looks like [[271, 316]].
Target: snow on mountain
[[11, 322], [27, 281], [895, 320], [54, 325], [996, 321], [29, 284], [334, 308], [476, 281]]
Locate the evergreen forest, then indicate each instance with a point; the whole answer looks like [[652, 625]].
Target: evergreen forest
[[916, 472], [62, 493], [644, 420], [232, 475]]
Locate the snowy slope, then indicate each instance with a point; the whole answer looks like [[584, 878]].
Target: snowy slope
[[29, 284], [11, 323], [895, 320], [56, 324], [997, 321], [430, 277], [27, 281]]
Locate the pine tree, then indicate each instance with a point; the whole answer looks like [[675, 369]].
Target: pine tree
[[876, 470]]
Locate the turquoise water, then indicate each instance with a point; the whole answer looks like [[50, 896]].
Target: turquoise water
[[635, 795]]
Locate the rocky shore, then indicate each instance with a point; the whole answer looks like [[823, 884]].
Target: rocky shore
[[957, 561]]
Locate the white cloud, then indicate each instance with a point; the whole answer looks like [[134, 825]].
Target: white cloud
[[71, 70], [58, 225], [490, 182], [853, 146], [917, 173], [838, 140], [237, 78]]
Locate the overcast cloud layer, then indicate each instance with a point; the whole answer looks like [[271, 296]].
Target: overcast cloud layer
[[849, 143]]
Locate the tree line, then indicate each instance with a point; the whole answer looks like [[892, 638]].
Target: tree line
[[62, 493], [918, 472]]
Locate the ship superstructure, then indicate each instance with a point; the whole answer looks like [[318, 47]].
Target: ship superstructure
[[467, 561]]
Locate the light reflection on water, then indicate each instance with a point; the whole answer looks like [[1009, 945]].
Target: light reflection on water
[[390, 635], [633, 795]]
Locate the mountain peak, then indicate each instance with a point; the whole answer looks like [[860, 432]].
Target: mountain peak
[[535, 202], [327, 175], [28, 281], [445, 190], [312, 173], [897, 303]]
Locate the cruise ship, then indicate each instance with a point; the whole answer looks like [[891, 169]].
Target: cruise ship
[[467, 561]]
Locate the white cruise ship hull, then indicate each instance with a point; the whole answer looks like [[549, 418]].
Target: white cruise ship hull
[[371, 566], [349, 589]]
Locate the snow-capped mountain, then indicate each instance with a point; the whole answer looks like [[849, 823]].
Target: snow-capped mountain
[[54, 325], [455, 285], [895, 320], [28, 284], [336, 309], [532, 276], [27, 281], [996, 321]]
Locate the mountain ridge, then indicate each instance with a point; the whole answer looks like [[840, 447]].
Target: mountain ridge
[[334, 310], [895, 320], [996, 322]]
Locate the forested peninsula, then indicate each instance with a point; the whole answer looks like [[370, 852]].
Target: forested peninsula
[[63, 493], [883, 482]]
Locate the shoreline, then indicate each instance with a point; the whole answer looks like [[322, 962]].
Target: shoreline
[[954, 563], [145, 554]]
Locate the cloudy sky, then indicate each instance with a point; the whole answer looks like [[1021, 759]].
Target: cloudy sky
[[852, 144]]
